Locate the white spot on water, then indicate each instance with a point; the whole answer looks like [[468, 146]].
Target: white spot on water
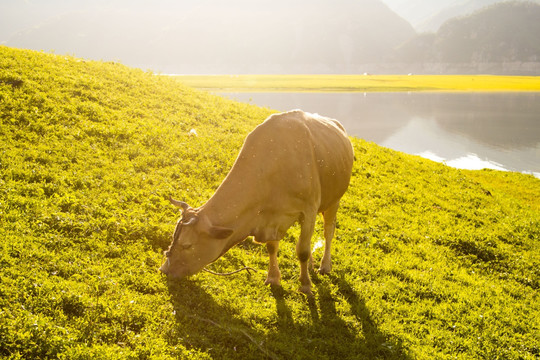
[[467, 162], [431, 156], [473, 162]]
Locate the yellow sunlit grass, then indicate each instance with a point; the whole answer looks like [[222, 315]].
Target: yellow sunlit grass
[[360, 83]]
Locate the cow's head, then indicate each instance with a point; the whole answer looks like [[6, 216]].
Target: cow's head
[[196, 243]]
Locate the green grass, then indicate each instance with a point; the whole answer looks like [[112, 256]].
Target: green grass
[[429, 261], [360, 83]]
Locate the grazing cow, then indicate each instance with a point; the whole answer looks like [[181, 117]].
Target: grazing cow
[[291, 167]]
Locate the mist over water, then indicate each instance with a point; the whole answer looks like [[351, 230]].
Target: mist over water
[[465, 130]]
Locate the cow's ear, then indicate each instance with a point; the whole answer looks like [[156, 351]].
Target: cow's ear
[[219, 232]]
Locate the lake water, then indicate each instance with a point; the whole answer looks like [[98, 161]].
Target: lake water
[[464, 130]]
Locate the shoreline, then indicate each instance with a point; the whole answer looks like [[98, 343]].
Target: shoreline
[[325, 83]]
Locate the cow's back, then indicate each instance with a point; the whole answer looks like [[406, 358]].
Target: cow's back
[[297, 153]]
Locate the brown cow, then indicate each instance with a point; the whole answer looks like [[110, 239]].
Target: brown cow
[[291, 167]]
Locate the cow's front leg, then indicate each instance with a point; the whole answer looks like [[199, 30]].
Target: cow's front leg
[[303, 251], [274, 275]]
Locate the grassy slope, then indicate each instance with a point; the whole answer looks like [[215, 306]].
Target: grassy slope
[[360, 83], [429, 261]]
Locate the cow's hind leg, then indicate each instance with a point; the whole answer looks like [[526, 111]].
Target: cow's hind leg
[[303, 250], [329, 217], [274, 275]]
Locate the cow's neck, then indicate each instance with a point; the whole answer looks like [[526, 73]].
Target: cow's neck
[[234, 207]]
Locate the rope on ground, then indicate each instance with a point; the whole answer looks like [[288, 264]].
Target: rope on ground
[[246, 268]]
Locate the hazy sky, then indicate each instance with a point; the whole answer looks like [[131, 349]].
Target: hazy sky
[[19, 15], [167, 35], [212, 35]]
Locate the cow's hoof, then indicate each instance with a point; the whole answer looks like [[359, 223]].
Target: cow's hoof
[[325, 270], [306, 290], [272, 281]]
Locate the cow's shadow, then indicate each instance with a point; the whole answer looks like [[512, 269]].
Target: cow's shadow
[[329, 332], [202, 323]]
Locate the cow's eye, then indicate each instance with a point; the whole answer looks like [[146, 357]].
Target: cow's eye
[[186, 246]]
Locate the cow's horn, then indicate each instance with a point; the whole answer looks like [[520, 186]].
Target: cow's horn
[[180, 204]]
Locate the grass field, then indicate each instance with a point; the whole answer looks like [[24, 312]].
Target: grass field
[[360, 83], [429, 262]]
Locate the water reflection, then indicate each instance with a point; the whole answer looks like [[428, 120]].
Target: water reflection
[[466, 130]]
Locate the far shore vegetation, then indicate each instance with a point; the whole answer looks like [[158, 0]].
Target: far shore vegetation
[[360, 83]]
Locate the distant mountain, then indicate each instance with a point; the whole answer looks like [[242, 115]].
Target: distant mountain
[[237, 36], [500, 33], [433, 23], [417, 12], [428, 16]]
